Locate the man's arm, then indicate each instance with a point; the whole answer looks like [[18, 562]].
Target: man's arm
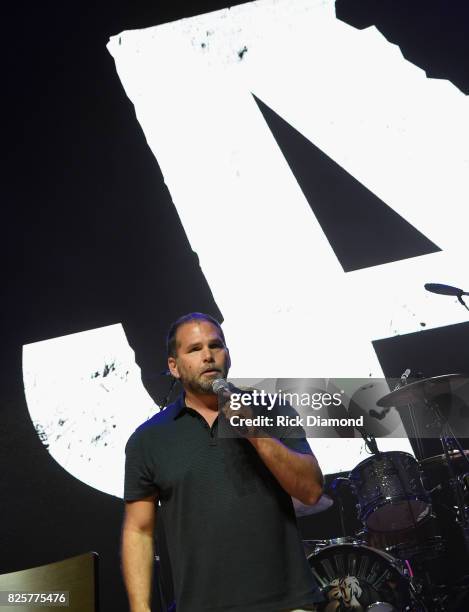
[[297, 473], [138, 553]]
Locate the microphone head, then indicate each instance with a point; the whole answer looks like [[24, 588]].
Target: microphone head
[[443, 289], [220, 384]]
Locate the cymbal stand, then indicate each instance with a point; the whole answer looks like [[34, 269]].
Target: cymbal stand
[[411, 411], [450, 443]]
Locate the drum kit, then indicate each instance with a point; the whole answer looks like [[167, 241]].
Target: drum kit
[[412, 551]]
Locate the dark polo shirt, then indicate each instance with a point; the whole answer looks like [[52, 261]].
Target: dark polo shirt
[[231, 530]]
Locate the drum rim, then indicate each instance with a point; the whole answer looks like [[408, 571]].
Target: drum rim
[[396, 563], [364, 515], [398, 499], [435, 541], [375, 458]]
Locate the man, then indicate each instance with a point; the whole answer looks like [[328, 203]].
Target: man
[[225, 502]]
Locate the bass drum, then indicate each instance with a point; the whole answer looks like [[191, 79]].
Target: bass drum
[[357, 577]]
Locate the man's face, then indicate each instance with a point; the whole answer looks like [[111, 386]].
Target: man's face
[[201, 356]]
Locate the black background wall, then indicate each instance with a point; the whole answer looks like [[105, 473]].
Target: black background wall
[[83, 197]]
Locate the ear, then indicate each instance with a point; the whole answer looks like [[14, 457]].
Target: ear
[[173, 368], [228, 358]]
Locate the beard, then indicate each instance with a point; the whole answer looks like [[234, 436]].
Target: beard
[[202, 384]]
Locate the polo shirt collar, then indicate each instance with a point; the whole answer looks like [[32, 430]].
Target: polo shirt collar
[[181, 409], [180, 405]]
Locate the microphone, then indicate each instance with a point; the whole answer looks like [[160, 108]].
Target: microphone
[[447, 290], [220, 384], [444, 289], [405, 375]]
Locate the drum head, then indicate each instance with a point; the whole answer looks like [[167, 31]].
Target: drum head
[[353, 577]]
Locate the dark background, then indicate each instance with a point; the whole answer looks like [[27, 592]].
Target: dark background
[[90, 237]]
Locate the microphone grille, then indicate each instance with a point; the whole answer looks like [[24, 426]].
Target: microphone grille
[[219, 385]]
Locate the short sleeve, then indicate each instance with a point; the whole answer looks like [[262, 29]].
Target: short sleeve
[[139, 479]]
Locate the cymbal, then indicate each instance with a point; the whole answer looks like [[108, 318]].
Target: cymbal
[[324, 503], [424, 389], [454, 455]]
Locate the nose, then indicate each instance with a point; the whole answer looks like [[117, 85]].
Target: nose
[[207, 354]]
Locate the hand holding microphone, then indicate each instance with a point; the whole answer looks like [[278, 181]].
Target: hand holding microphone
[[230, 406]]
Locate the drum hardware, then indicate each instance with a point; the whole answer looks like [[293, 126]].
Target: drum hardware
[[427, 391], [314, 546], [422, 390], [448, 492], [394, 564], [334, 490], [388, 486], [464, 484], [417, 545], [346, 540], [464, 479], [390, 493], [431, 549], [449, 442], [455, 456], [380, 606]]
